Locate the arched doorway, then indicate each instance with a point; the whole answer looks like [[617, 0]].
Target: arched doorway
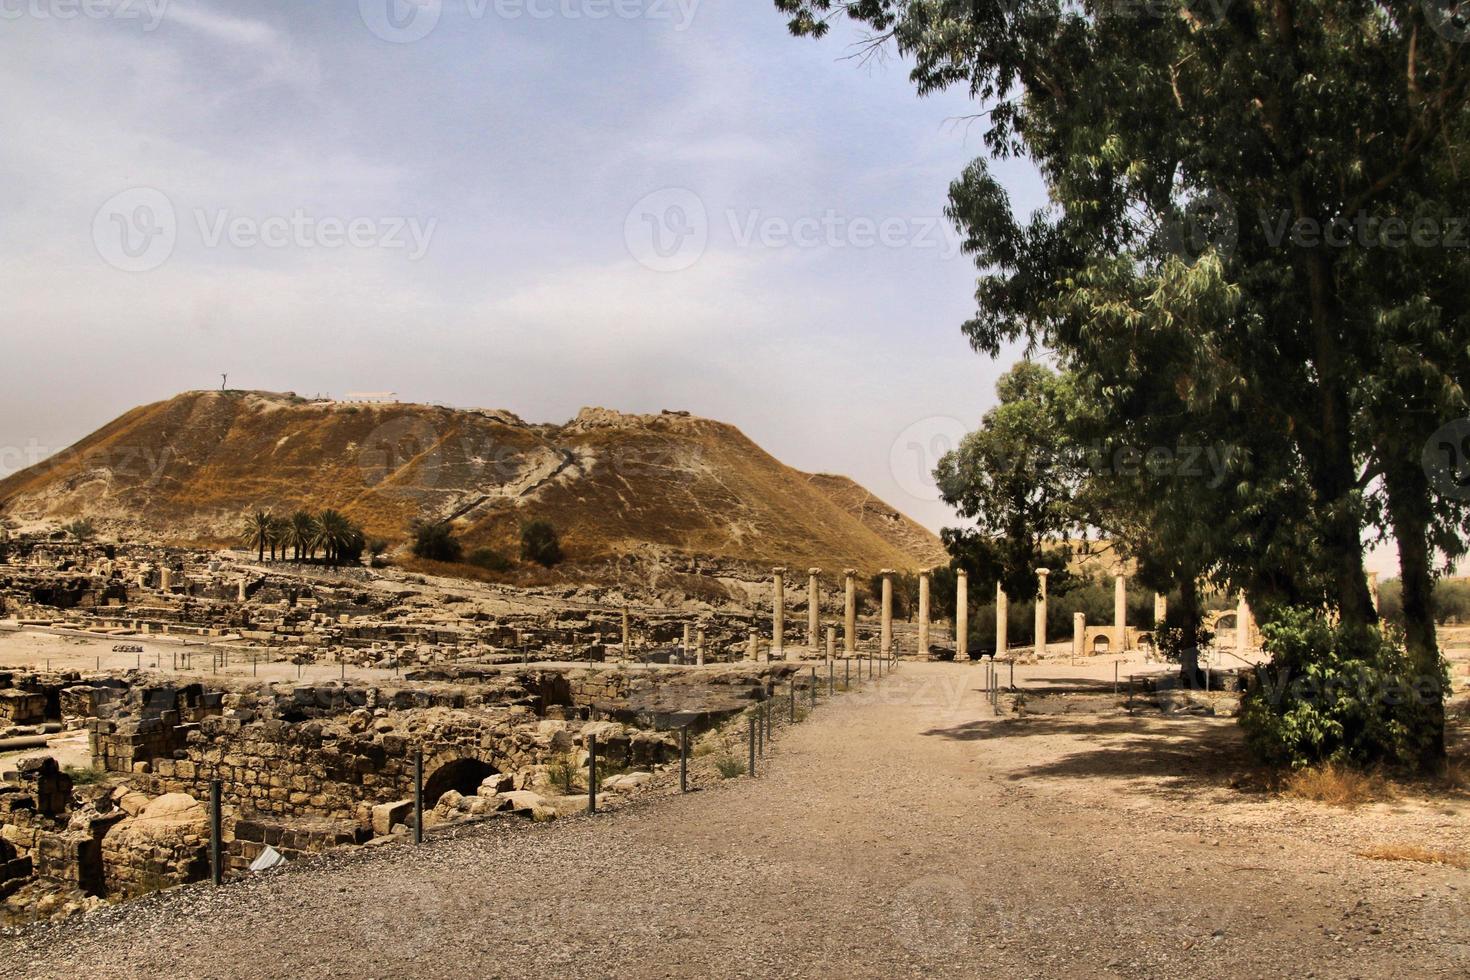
[[464, 776]]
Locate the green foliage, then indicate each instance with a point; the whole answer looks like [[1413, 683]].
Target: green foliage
[[567, 776], [435, 541], [1015, 477], [540, 543], [1337, 694], [85, 777], [490, 560], [729, 766], [1451, 601]]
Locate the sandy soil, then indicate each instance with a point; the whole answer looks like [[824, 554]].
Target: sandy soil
[[899, 832]]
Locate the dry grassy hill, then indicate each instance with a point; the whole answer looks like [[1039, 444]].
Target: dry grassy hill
[[189, 469]]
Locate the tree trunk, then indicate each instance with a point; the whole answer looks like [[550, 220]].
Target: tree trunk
[[1409, 510], [1191, 616]]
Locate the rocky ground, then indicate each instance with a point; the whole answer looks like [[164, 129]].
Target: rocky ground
[[900, 832]]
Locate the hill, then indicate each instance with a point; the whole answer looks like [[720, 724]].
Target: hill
[[189, 469]]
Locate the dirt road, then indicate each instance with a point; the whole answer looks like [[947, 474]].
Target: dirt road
[[903, 833]]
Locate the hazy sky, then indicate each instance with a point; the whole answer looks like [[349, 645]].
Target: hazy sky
[[525, 204]]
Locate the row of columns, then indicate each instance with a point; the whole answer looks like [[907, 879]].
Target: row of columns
[[962, 614]]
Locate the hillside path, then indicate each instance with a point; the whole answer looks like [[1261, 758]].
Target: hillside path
[[884, 837]]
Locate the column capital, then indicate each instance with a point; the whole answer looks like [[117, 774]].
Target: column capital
[[814, 571], [1043, 572], [887, 572], [779, 571], [850, 572]]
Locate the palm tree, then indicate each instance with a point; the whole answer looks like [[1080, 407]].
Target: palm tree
[[279, 529], [300, 534], [333, 533], [258, 532]]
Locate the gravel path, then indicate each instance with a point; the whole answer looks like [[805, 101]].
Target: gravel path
[[884, 837]]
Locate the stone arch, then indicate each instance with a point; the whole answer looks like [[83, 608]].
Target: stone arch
[[1101, 643], [1225, 621], [461, 770]]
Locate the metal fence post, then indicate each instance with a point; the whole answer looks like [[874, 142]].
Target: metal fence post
[[592, 774], [814, 687], [418, 796], [831, 678], [684, 759], [761, 737], [752, 745], [793, 700], [216, 833]]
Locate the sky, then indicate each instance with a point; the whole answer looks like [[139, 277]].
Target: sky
[[535, 205]]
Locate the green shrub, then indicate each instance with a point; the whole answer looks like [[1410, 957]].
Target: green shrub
[[436, 542], [490, 560], [730, 767], [566, 775], [1339, 695], [540, 543], [85, 777]]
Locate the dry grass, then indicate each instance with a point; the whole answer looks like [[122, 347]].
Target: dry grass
[[1337, 786], [1416, 854]]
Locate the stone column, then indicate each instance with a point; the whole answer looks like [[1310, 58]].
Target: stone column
[[924, 614], [1373, 589], [165, 578], [849, 613], [778, 614], [1120, 610], [627, 631], [684, 654], [753, 647], [1079, 635], [699, 648], [1040, 641], [1002, 624], [831, 643], [1161, 609], [886, 643], [962, 616], [1242, 625], [813, 612], [244, 596]]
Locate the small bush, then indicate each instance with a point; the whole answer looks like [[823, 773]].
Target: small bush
[[85, 777], [730, 767], [541, 544], [1337, 695], [490, 560], [566, 775], [436, 542], [81, 529]]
